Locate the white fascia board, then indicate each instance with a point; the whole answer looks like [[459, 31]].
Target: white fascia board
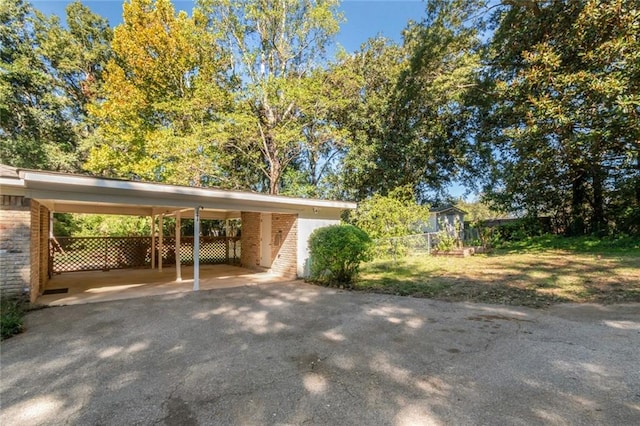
[[163, 205], [13, 190], [320, 213], [11, 186], [243, 200]]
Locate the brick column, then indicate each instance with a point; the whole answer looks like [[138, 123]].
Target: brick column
[[250, 240], [15, 245], [284, 243], [284, 239]]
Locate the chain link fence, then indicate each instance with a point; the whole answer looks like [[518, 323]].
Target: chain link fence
[[396, 247]]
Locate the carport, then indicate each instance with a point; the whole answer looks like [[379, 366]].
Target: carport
[[274, 233]]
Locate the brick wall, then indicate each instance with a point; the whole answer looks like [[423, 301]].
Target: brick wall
[[15, 242], [284, 244], [250, 240]]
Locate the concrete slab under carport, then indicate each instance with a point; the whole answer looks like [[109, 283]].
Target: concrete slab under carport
[[102, 286]]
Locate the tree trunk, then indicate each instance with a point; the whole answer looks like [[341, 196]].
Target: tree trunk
[[638, 179], [577, 206], [275, 171], [598, 224], [274, 179]]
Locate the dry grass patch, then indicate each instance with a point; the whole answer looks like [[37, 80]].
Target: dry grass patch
[[526, 279]]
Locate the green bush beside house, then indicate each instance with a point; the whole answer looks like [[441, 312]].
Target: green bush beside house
[[336, 253]]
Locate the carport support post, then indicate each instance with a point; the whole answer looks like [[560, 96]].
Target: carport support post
[[153, 241], [160, 247], [178, 249], [196, 248]]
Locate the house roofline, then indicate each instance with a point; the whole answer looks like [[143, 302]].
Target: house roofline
[[71, 191], [443, 209]]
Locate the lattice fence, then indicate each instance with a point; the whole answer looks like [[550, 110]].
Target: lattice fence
[[99, 253], [70, 254], [213, 250]]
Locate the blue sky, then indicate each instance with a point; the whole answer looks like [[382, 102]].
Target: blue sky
[[364, 18]]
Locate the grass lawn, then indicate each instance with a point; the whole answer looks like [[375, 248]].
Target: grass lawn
[[517, 276]]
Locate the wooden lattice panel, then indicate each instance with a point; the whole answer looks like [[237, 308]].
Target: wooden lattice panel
[[99, 253], [213, 250], [69, 254]]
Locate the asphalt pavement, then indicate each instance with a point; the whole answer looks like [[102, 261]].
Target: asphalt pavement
[[296, 354]]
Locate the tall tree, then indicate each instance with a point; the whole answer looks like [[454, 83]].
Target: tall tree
[[78, 55], [324, 139], [369, 79], [41, 106], [164, 95], [562, 116], [408, 123], [275, 47], [430, 141]]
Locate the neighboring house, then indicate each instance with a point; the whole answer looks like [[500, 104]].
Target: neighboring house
[[445, 218]]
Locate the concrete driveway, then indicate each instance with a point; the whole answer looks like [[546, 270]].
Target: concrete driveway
[[298, 354]]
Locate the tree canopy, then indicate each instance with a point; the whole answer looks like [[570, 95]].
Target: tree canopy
[[276, 49], [561, 112], [49, 74], [533, 104], [160, 111]]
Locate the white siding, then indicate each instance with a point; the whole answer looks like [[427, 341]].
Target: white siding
[[305, 227]]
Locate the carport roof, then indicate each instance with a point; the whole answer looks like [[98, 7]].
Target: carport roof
[[73, 193]]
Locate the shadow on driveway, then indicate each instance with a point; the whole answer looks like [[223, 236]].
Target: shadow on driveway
[[299, 354]]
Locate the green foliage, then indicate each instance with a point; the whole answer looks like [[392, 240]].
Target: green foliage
[[446, 241], [336, 253], [12, 313], [92, 225], [65, 224], [394, 215], [559, 111], [279, 119], [619, 244], [165, 92], [430, 132], [519, 230], [479, 210], [407, 122], [49, 73], [368, 80]]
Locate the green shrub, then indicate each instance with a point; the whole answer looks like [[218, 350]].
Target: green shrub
[[394, 215], [11, 317], [446, 241], [519, 230], [336, 253], [585, 244]]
